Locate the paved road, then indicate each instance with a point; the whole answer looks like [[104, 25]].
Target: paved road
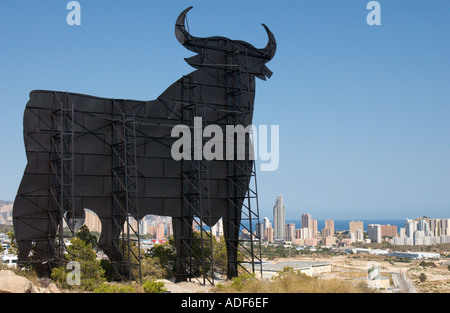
[[402, 282]]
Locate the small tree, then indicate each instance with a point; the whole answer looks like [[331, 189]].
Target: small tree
[[220, 254], [151, 268], [166, 255], [85, 235], [151, 286], [12, 237], [91, 273], [422, 277]]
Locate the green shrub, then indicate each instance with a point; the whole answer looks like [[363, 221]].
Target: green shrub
[[114, 288], [422, 277], [151, 286], [427, 264], [240, 282], [91, 273]]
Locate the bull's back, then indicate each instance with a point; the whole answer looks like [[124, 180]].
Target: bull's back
[[96, 127]]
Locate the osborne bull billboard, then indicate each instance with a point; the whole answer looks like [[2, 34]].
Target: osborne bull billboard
[[87, 152]]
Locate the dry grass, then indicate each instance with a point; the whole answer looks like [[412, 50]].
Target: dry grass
[[290, 281], [437, 281]]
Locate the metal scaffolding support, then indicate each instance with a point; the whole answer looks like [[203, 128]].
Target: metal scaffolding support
[[61, 187], [197, 249], [243, 197], [125, 241]]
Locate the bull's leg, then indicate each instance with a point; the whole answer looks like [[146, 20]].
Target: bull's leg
[[45, 252], [106, 237], [182, 232], [42, 252], [110, 243], [231, 234], [24, 246], [33, 230]]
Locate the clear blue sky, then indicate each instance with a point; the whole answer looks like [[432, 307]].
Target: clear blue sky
[[364, 111]]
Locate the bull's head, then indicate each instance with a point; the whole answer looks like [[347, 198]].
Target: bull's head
[[221, 52]]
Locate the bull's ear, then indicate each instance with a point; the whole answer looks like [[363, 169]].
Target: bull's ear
[[267, 72], [194, 61], [263, 77]]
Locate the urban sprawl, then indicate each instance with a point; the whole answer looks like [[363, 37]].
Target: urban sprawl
[[419, 231]]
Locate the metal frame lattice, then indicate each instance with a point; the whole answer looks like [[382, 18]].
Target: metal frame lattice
[[62, 185], [196, 206], [127, 265], [241, 173]]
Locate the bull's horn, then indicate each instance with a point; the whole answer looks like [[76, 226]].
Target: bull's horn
[[183, 35], [269, 50]]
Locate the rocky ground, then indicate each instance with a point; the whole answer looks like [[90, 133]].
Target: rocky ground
[[349, 267], [12, 283], [356, 266]]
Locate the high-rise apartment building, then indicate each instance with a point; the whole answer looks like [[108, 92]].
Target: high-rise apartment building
[[268, 235], [410, 227], [359, 236], [423, 231], [327, 232], [445, 227], [355, 225], [374, 232], [314, 227], [92, 221], [217, 229], [156, 230], [329, 224], [439, 227], [306, 220], [305, 233], [418, 237], [267, 223], [169, 230], [279, 219], [329, 241], [388, 230], [143, 227], [290, 232], [308, 226], [259, 232], [298, 233]]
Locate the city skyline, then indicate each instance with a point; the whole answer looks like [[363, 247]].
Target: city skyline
[[412, 232], [363, 110], [416, 232]]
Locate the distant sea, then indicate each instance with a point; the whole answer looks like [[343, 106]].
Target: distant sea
[[341, 225]]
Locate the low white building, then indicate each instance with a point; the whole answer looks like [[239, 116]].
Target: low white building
[[416, 255], [369, 251], [308, 268], [9, 260]]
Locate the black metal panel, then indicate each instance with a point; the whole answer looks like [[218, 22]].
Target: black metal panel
[[113, 156]]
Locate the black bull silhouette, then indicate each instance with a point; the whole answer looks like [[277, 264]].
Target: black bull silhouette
[[222, 86]]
